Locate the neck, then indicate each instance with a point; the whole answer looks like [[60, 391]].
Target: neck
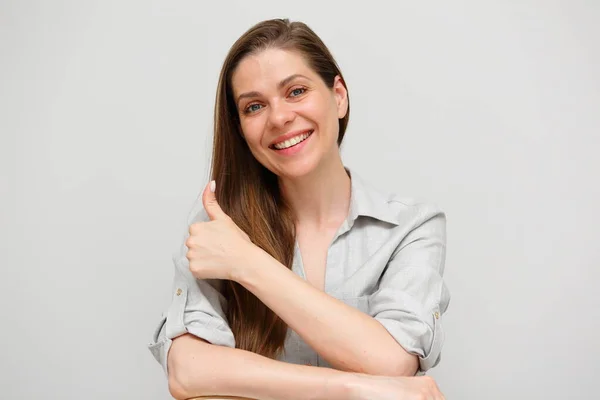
[[320, 199]]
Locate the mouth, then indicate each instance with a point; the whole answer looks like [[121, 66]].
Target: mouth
[[296, 140]]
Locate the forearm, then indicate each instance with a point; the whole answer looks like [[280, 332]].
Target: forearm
[[197, 368], [345, 337]]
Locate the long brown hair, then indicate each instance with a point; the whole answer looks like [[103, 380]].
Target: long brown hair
[[247, 191]]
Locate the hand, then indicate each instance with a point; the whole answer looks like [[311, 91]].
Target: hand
[[370, 387], [218, 248]]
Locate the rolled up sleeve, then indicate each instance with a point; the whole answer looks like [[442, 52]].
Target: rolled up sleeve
[[197, 307], [412, 297]]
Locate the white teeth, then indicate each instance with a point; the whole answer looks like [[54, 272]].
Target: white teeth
[[293, 141]]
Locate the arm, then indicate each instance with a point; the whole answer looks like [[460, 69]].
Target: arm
[[402, 330], [403, 307], [197, 368], [344, 336], [202, 369], [325, 323]]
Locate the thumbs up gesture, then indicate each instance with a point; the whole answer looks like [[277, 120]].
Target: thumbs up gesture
[[217, 249]]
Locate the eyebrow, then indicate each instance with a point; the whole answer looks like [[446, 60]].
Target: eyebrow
[[279, 86]]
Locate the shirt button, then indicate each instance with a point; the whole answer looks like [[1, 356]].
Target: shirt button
[[178, 292]]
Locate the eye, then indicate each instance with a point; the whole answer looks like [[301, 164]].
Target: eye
[[252, 108], [297, 92]]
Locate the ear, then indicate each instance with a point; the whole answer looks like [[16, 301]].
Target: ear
[[341, 96]]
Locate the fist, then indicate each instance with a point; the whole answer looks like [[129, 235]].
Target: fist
[[370, 387], [217, 249]]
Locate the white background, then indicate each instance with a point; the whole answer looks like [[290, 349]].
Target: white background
[[489, 108]]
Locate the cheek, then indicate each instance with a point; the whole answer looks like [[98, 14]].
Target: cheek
[[323, 108], [324, 113], [254, 144], [252, 133]]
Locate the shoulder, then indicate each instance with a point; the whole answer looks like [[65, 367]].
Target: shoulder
[[194, 213], [197, 213], [419, 223], [403, 209], [396, 208]]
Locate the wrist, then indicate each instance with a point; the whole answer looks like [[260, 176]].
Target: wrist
[[251, 257], [347, 386]]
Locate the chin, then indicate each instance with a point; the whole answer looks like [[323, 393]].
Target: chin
[[297, 169]]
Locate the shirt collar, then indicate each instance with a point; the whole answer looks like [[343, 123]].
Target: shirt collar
[[367, 201]]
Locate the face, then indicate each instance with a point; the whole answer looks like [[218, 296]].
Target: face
[[288, 116]]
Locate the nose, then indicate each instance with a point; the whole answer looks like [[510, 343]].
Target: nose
[[281, 114]]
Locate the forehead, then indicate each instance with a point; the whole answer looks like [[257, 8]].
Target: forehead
[[262, 71]]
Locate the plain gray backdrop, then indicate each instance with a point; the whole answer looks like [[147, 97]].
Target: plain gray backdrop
[[489, 108]]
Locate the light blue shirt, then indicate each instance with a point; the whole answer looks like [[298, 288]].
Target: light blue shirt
[[386, 259]]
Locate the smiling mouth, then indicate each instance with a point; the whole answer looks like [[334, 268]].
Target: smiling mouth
[[292, 142]]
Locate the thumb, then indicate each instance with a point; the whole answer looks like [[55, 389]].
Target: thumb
[[209, 200]]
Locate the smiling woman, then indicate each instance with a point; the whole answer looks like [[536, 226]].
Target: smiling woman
[[296, 279]]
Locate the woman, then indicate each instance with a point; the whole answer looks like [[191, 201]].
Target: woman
[[286, 237]]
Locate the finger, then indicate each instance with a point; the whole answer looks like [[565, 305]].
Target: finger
[[210, 203]]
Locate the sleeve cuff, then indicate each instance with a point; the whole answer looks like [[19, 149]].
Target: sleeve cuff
[[212, 332], [159, 347], [418, 337], [176, 322], [210, 328]]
